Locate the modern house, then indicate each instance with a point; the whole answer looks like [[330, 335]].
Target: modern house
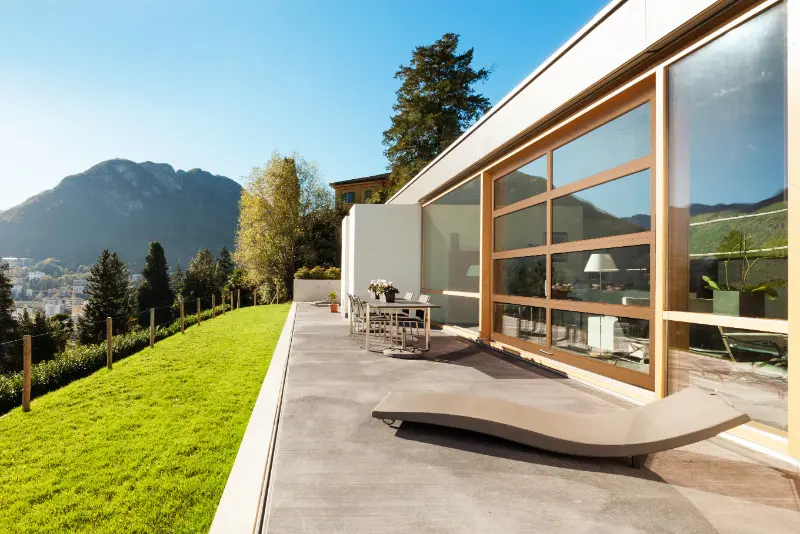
[[622, 216], [359, 190]]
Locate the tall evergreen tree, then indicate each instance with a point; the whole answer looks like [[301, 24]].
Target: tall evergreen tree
[[225, 266], [435, 104], [177, 280], [155, 290], [109, 295], [9, 330], [202, 279]]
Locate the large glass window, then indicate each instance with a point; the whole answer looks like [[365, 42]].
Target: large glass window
[[748, 369], [728, 244], [528, 181], [451, 240], [618, 207], [528, 323], [613, 275], [619, 141], [522, 277], [521, 229], [618, 341], [455, 311]]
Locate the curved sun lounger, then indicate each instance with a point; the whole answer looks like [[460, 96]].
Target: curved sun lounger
[[685, 417]]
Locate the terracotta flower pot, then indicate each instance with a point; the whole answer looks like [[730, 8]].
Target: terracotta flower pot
[[334, 308]]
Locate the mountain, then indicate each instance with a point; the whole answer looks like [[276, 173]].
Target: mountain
[[122, 206]]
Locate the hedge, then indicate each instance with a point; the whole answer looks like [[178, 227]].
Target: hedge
[[83, 360], [318, 273]]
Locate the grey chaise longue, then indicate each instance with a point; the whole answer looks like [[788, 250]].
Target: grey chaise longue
[[685, 417]]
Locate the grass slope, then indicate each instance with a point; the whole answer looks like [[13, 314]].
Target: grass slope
[[146, 447]]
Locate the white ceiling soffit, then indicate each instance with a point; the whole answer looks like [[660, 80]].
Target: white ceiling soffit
[[621, 31]]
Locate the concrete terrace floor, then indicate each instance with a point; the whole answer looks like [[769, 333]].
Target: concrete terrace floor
[[336, 469]]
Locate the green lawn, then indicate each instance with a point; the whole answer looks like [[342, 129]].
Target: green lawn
[[146, 447]]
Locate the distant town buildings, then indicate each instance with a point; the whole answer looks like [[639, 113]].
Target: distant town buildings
[[79, 286], [36, 275], [18, 262]]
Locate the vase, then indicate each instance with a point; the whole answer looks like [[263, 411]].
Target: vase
[[739, 304], [375, 295], [389, 297]]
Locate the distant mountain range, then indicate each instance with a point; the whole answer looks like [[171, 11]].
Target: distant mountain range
[[122, 205]]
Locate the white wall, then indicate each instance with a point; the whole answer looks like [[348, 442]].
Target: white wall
[[383, 241], [344, 308], [314, 290], [604, 45]]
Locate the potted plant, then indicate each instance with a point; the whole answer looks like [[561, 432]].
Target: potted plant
[[333, 302], [737, 297], [389, 291], [376, 288]]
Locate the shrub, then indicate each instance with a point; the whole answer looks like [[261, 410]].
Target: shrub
[[333, 273], [318, 273], [83, 360]]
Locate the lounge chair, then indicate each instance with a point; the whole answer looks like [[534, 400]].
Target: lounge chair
[[685, 417]]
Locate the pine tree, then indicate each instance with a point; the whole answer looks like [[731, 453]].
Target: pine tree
[[435, 104], [155, 290], [9, 329], [202, 279], [177, 281], [225, 267], [109, 295]]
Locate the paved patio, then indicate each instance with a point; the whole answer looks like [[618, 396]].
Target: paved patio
[[338, 470]]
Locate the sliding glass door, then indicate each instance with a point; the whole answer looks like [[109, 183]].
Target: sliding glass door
[[572, 245]]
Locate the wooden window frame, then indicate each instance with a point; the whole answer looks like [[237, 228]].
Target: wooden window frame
[[642, 92]]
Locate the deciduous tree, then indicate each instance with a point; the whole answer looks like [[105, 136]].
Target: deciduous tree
[[435, 104], [202, 279]]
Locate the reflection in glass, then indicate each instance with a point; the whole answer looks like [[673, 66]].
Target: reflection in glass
[[521, 277], [523, 183], [451, 239], [528, 323], [521, 229], [748, 369], [728, 240], [619, 341], [619, 141], [612, 275], [618, 207], [455, 311]]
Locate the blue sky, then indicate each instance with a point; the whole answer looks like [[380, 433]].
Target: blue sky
[[220, 85]]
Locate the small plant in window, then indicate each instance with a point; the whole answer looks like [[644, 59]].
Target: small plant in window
[[737, 296]]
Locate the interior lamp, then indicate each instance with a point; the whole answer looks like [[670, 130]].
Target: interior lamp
[[600, 263]]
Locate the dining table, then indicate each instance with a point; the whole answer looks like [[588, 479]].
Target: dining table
[[393, 309]]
